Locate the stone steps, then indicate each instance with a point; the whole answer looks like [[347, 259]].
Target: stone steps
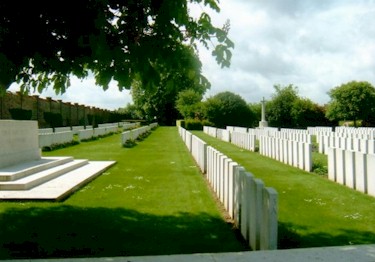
[[28, 168], [50, 178], [43, 176], [62, 186]]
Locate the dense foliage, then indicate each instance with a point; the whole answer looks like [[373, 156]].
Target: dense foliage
[[189, 104], [20, 114], [280, 107], [228, 109], [45, 42], [53, 119], [287, 109], [352, 101]]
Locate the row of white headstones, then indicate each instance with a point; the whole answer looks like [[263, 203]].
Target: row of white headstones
[[21, 141], [351, 156], [252, 206], [351, 151], [63, 135]]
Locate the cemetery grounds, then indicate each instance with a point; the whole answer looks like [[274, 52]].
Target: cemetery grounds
[[154, 201], [313, 211]]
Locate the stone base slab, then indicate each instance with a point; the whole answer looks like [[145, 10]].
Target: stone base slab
[[62, 186]]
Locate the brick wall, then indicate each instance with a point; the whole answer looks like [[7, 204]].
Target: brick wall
[[72, 113]]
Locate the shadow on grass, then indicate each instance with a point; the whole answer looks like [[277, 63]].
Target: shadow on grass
[[289, 238], [68, 231]]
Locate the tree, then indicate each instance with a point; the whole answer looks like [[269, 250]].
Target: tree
[[45, 42], [280, 107], [160, 101], [130, 112], [228, 109], [189, 104], [256, 108], [305, 113], [352, 101]]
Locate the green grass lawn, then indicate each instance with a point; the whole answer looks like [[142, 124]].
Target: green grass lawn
[[153, 201], [313, 211]]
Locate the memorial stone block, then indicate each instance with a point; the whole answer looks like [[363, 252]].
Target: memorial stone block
[[19, 142]]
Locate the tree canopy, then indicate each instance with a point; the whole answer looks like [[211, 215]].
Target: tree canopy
[[160, 101], [280, 107], [45, 42], [352, 101], [288, 109], [189, 104], [228, 109]]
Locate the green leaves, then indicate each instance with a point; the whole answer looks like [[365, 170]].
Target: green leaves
[[228, 109], [352, 101], [223, 55], [116, 40]]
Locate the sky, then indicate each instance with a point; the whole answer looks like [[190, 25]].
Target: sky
[[315, 45]]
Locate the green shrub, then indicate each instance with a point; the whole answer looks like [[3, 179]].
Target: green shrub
[[320, 168], [129, 143], [194, 124], [53, 119], [180, 123], [59, 146], [20, 114], [142, 136]]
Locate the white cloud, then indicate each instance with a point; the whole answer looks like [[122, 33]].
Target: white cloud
[[313, 44]]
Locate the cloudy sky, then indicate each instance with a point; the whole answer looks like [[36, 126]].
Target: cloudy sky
[[313, 44]]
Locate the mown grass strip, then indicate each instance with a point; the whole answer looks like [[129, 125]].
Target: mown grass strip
[[313, 211], [153, 201]]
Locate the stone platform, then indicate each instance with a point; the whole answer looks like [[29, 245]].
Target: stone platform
[[360, 253], [48, 178]]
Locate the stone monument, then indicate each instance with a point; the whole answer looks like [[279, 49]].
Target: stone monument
[[263, 123], [18, 142], [25, 174]]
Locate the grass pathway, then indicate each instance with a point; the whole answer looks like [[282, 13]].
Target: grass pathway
[[313, 211], [153, 201]]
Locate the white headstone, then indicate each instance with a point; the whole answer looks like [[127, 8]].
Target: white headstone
[[360, 172], [370, 172]]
